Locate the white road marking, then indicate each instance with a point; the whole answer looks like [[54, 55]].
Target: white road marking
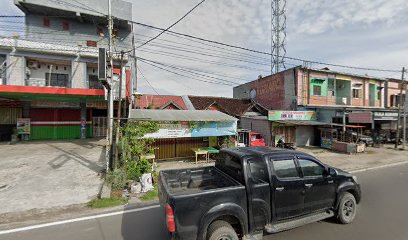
[[75, 220], [379, 167]]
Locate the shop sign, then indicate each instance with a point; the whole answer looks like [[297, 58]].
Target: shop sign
[[23, 125], [360, 117], [201, 129], [390, 116], [171, 131], [292, 115], [55, 104]]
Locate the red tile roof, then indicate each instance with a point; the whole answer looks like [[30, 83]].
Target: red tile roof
[[231, 106], [160, 101]]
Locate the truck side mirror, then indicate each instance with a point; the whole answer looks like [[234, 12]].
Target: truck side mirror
[[332, 172]]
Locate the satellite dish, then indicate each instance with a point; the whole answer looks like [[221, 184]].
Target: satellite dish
[[252, 94]]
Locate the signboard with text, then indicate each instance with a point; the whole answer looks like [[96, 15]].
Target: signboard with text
[[23, 125], [292, 115], [360, 117], [386, 116]]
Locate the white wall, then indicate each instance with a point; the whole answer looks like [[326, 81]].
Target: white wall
[[37, 76]]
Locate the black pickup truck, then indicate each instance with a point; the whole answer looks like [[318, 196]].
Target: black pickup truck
[[252, 190]]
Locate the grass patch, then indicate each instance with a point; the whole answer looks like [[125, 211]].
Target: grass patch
[[106, 202], [151, 195]]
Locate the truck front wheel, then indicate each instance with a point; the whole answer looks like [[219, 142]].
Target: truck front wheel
[[221, 230], [347, 208]]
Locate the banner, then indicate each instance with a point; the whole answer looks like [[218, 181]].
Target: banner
[[23, 125], [194, 129], [292, 115]]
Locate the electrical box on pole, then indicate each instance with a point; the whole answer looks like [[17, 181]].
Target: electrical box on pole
[[102, 68]]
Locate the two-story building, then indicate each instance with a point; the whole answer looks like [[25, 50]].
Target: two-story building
[[334, 96], [49, 68]]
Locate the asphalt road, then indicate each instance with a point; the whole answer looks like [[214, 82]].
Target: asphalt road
[[383, 214]]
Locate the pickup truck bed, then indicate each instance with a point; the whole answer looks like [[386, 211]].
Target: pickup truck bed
[[196, 180]]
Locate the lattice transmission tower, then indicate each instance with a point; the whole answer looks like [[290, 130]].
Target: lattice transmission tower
[[278, 35]]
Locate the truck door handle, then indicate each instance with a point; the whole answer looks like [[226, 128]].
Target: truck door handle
[[279, 189], [308, 185], [330, 181]]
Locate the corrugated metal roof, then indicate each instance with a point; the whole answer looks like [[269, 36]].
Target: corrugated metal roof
[[179, 115], [303, 123]]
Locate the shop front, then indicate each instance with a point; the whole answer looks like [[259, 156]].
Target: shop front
[[51, 112], [295, 127], [183, 131]]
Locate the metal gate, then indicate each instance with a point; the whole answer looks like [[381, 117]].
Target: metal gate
[[99, 126]]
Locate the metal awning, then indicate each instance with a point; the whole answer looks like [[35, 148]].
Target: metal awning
[[179, 115], [302, 123]]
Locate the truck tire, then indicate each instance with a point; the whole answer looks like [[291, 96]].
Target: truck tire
[[221, 230], [347, 208]]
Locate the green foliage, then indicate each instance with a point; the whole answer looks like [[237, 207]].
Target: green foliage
[[106, 202], [117, 178], [136, 169], [132, 142], [133, 148], [151, 195]]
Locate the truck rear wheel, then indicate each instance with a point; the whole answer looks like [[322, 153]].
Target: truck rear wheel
[[221, 230]]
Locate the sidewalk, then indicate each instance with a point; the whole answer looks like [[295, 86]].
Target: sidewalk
[[39, 175]]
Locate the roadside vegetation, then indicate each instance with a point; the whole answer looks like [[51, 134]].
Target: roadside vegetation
[[106, 202], [132, 163]]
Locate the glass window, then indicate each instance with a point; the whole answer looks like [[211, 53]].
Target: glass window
[[317, 90], [310, 168], [285, 168], [258, 170], [356, 93], [94, 82], [230, 165], [56, 80]]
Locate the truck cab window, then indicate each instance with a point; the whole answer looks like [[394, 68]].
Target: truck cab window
[[310, 168], [258, 171], [285, 168]]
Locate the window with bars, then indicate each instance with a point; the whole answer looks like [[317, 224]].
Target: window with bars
[[94, 82], [356, 93], [317, 90], [57, 80]]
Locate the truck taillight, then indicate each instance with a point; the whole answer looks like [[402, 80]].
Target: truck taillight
[[171, 225]]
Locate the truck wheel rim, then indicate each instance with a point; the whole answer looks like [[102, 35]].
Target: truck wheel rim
[[348, 209]]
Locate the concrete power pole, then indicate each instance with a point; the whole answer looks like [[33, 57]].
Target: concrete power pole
[[401, 102], [110, 92], [119, 114]]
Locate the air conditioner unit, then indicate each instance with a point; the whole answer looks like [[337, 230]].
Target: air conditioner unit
[[32, 64]]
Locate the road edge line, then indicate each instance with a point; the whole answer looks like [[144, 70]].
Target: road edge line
[[379, 167], [92, 217]]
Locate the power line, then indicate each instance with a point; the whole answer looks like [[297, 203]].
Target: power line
[[172, 25], [265, 53], [154, 89], [190, 77]]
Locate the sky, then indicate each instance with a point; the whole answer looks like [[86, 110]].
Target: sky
[[364, 33]]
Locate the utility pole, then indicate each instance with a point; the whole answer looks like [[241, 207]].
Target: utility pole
[[119, 112], [109, 135], [397, 139], [404, 123], [134, 84]]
